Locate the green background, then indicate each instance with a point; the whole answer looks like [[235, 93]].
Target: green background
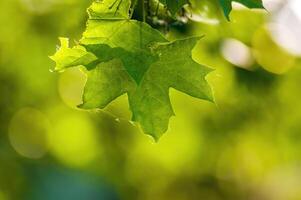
[[247, 146]]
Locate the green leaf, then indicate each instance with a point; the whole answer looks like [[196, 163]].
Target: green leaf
[[70, 57], [106, 82], [174, 5], [126, 56], [149, 101], [227, 5]]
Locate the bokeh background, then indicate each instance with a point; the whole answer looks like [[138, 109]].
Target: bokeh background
[[247, 146]]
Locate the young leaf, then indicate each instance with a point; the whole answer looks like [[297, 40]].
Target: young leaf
[[227, 5], [70, 57]]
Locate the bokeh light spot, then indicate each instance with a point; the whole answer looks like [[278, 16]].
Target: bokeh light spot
[[237, 53], [28, 133], [73, 140], [285, 27], [270, 55], [38, 6], [2, 196], [71, 84], [202, 11]]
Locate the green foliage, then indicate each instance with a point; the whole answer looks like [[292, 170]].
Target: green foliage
[[127, 56], [122, 55]]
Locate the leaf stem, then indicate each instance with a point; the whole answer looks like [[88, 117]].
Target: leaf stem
[[133, 8], [143, 10]]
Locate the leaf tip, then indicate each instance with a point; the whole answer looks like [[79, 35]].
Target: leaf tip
[[84, 106]]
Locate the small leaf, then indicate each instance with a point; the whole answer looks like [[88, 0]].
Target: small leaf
[[174, 5], [227, 5], [70, 57]]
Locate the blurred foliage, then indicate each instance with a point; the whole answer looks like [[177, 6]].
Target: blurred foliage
[[246, 147]]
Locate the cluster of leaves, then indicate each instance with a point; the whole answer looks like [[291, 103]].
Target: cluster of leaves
[[121, 55]]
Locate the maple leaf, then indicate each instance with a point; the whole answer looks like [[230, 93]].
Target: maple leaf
[[149, 101]]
